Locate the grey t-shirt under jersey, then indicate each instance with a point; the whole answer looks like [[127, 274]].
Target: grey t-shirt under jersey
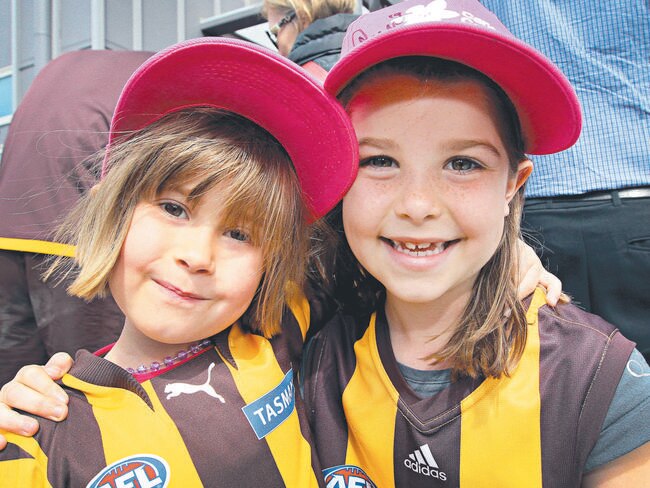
[[626, 425]]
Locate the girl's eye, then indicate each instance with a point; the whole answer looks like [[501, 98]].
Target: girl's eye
[[174, 209], [463, 165], [379, 162], [238, 235]]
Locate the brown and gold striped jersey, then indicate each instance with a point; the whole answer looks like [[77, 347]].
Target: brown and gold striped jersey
[[534, 428], [228, 417]]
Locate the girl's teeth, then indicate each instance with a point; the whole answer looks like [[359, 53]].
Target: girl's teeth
[[423, 249]]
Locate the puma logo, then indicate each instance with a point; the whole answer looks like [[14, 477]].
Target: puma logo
[[175, 389]]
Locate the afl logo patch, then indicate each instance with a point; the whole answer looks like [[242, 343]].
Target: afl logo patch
[[347, 476], [139, 471]]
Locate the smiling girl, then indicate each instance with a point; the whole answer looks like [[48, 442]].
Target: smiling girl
[[437, 374], [200, 230]]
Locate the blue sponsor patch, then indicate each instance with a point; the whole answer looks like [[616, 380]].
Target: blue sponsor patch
[[272, 408], [347, 476], [139, 471]]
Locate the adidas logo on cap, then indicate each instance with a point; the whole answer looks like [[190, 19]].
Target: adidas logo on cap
[[421, 461]]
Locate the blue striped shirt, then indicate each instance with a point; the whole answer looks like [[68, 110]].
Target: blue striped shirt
[[604, 50]]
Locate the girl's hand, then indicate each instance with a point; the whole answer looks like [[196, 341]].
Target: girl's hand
[[34, 390], [532, 274]]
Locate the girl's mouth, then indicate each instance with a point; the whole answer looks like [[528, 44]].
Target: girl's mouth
[[420, 248]]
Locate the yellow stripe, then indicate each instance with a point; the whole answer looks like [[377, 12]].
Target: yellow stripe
[[300, 309], [372, 431], [162, 436], [41, 247], [25, 472], [257, 373], [500, 425]]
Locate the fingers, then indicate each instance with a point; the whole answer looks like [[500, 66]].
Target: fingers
[[58, 365], [532, 274], [16, 423], [528, 280], [34, 391], [553, 287]]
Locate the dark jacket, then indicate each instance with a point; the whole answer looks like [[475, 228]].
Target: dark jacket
[[321, 41]]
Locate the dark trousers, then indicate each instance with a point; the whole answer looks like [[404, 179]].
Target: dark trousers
[[601, 252], [38, 319]]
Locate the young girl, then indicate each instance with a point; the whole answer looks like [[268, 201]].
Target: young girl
[[200, 231], [438, 375]]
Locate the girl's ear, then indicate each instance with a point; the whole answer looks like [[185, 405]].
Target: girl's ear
[[524, 169]]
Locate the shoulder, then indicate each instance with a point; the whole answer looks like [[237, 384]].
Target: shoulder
[[344, 329], [583, 348], [567, 329]]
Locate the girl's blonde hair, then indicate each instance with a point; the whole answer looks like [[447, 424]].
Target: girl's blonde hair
[[307, 11], [216, 148], [491, 334]]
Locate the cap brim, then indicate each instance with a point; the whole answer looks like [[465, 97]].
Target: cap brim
[[253, 82], [545, 101]]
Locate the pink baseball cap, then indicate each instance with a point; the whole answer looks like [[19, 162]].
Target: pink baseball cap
[[466, 32], [251, 81]]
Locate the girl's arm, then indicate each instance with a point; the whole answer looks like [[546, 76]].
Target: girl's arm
[[532, 274], [34, 390], [632, 469]]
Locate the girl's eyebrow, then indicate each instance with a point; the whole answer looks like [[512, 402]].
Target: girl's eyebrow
[[462, 145], [376, 142], [184, 190], [454, 146]]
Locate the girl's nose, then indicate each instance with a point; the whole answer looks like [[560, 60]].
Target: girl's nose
[[418, 199], [196, 250]]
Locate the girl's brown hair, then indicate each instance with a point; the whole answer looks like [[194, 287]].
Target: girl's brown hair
[[490, 337], [215, 148]]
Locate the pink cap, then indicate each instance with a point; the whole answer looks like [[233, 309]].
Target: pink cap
[[262, 86], [466, 32]]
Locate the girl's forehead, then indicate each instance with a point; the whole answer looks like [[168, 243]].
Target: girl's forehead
[[395, 89], [390, 88]]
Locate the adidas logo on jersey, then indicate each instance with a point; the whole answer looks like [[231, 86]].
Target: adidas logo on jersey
[[421, 461]]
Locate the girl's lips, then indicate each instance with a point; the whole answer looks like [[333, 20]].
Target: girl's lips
[[179, 292]]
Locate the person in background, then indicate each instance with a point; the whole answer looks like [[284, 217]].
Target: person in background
[[589, 206], [47, 164], [309, 33]]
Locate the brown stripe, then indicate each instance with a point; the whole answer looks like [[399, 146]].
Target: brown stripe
[[573, 345], [328, 368], [224, 438], [80, 452], [444, 447]]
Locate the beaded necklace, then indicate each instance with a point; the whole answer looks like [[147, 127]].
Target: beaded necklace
[[156, 366]]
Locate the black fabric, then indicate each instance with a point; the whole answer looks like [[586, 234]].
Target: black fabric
[[38, 319], [601, 252], [321, 41]]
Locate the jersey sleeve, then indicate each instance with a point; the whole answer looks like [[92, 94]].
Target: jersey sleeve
[[626, 425]]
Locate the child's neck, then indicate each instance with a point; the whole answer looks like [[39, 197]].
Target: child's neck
[[419, 330], [133, 349]]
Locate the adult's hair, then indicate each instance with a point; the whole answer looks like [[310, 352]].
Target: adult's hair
[[307, 11], [216, 149], [491, 333]]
